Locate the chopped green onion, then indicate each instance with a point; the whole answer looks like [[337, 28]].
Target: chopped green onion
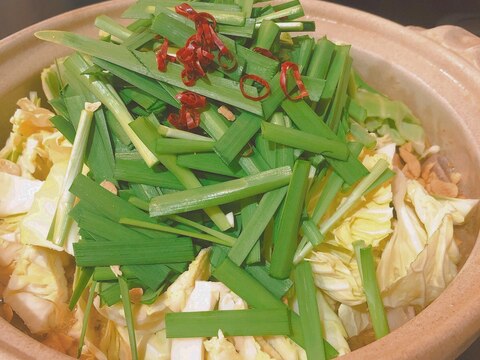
[[285, 245], [311, 233], [110, 230], [267, 34], [113, 28], [183, 146], [149, 251], [103, 201], [229, 191], [180, 134], [227, 239], [293, 26], [284, 155], [61, 224], [169, 229], [127, 309], [109, 293], [320, 60], [215, 87], [257, 296], [293, 11], [248, 207], [86, 316], [81, 283], [308, 310], [261, 273], [346, 205], [210, 163], [306, 141], [366, 263], [146, 129], [253, 322], [153, 275], [64, 126], [150, 86], [139, 173], [109, 97], [257, 224], [237, 136]]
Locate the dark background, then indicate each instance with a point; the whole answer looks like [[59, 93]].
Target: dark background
[[17, 14]]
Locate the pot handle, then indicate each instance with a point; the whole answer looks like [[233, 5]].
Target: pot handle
[[456, 39]]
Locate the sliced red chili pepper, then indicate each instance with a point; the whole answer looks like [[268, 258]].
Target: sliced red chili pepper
[[188, 117], [163, 57], [287, 65], [265, 52], [259, 80], [197, 55]]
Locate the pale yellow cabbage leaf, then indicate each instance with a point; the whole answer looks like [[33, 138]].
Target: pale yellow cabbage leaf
[[16, 194], [333, 329], [371, 221], [180, 290], [35, 226], [34, 144], [420, 259], [336, 273], [37, 290], [219, 348], [357, 319], [286, 348], [247, 346]]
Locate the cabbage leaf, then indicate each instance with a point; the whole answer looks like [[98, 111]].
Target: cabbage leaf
[[420, 259], [37, 290]]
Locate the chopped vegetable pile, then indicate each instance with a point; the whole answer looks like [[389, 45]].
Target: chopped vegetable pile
[[212, 182]]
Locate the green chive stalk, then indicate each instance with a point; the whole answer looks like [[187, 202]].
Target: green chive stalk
[[86, 316], [320, 60], [293, 26], [183, 146], [366, 265], [251, 322], [227, 239], [127, 308], [146, 130], [218, 194], [109, 97], [147, 251], [173, 230], [210, 163], [286, 243], [256, 295], [308, 308], [291, 12], [113, 28], [305, 141], [81, 283], [75, 164], [380, 167], [311, 233], [267, 35], [173, 133], [259, 220]]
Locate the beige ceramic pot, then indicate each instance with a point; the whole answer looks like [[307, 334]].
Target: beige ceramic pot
[[436, 72]]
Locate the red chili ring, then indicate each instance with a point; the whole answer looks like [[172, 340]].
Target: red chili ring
[[259, 80], [287, 65]]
